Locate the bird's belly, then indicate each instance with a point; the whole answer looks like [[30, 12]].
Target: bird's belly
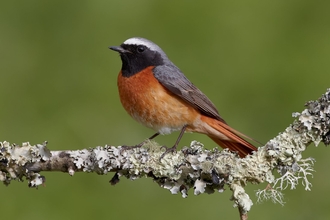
[[151, 104]]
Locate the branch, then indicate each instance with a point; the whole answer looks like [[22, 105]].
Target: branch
[[206, 171]]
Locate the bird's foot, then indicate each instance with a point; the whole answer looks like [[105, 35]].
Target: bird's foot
[[125, 147], [167, 150]]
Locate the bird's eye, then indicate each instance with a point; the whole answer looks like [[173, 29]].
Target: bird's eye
[[140, 49]]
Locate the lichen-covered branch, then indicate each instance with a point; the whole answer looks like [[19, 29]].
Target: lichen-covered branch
[[206, 171]]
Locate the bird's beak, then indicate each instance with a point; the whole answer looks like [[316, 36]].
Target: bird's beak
[[119, 49]]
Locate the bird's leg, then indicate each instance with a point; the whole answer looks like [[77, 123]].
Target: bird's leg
[[140, 144], [172, 149], [143, 142]]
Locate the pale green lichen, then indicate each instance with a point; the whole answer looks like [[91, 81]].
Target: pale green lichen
[[269, 193], [241, 198], [206, 171], [167, 166], [284, 152], [13, 158]]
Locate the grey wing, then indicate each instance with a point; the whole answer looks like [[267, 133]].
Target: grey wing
[[176, 82]]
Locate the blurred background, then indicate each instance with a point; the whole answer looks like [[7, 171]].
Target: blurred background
[[258, 61]]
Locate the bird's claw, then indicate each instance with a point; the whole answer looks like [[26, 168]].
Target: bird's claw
[[167, 150], [125, 147]]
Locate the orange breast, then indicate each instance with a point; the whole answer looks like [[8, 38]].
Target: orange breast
[[151, 104]]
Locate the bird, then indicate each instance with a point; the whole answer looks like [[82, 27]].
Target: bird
[[154, 91]]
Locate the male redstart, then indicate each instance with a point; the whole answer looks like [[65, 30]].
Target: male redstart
[[158, 95]]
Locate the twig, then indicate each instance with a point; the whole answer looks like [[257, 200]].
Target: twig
[[206, 171]]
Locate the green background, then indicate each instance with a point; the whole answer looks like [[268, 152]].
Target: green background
[[258, 61]]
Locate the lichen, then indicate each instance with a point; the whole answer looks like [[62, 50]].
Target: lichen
[[204, 170], [14, 158]]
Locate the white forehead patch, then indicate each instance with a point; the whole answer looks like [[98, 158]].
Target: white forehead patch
[[143, 41]]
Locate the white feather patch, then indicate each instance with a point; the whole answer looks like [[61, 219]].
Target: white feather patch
[[142, 41]]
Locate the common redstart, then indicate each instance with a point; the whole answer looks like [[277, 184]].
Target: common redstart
[[158, 95]]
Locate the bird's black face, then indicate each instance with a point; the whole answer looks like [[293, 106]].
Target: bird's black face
[[136, 58]]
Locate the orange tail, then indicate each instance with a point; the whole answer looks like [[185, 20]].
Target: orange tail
[[235, 142]]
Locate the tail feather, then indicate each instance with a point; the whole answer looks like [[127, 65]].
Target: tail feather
[[240, 148], [234, 141]]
